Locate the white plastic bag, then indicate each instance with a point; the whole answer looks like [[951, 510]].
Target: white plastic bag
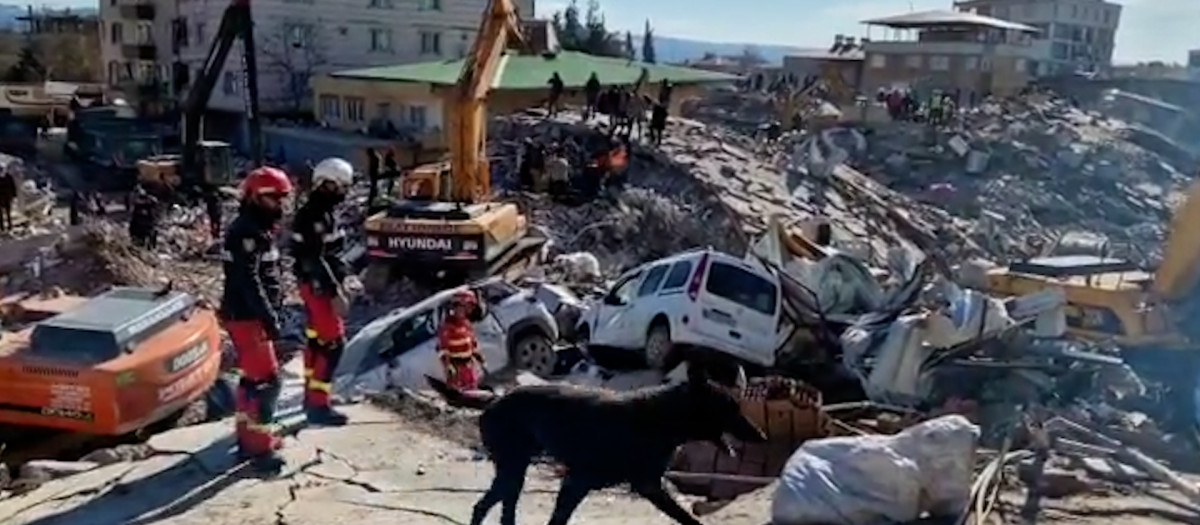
[[877, 480]]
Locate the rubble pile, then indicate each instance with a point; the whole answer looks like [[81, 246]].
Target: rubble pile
[[663, 210], [1019, 174]]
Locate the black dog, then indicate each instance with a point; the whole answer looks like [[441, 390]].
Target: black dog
[[603, 439]]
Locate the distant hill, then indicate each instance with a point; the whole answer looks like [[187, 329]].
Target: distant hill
[[671, 49]]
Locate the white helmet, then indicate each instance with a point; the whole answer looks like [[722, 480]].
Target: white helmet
[[335, 170]]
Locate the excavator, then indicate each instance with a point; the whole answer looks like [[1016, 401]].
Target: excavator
[[443, 225], [206, 165], [1115, 300]]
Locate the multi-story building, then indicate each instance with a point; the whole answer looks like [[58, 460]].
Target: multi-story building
[[955, 52], [1193, 64], [1075, 34], [164, 43]]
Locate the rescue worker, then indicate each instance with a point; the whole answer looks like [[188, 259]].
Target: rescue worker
[[591, 96], [556, 91], [457, 346], [250, 311], [8, 194], [325, 283], [143, 218]]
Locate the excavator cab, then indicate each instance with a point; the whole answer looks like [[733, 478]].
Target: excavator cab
[[216, 163]]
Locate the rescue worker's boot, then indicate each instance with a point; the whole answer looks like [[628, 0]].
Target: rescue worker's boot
[[320, 359], [256, 439]]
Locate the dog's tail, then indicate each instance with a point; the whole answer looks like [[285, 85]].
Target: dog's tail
[[478, 399]]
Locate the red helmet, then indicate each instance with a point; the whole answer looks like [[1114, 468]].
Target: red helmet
[[463, 298], [266, 181]]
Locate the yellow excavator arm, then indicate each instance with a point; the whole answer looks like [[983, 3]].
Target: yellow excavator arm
[[465, 111], [1179, 271]]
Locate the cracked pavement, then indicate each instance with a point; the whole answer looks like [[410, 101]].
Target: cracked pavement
[[378, 469]]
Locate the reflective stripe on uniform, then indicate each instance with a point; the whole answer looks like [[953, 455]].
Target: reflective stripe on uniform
[[311, 333], [270, 256], [460, 355], [328, 237], [313, 384], [254, 426], [463, 341]]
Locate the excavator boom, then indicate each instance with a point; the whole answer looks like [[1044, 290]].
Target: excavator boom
[[1179, 271], [465, 112]]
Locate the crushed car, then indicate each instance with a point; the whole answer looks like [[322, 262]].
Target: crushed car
[[700, 299], [399, 349]]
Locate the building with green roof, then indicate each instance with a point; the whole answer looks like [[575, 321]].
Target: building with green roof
[[410, 95]]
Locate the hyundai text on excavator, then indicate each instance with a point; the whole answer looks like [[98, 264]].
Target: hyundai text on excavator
[[75, 368], [206, 165], [1115, 300], [443, 222]]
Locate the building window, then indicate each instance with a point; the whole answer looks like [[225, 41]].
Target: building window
[[913, 61], [200, 27], [147, 72], [384, 4], [430, 5], [431, 43], [330, 108], [381, 40], [971, 63], [116, 33], [145, 34], [114, 72], [939, 63], [298, 35], [383, 111], [229, 83], [1059, 51], [985, 64], [356, 109], [1020, 66], [418, 117], [878, 61], [1107, 16]]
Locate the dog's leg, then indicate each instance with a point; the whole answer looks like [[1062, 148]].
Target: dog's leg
[[511, 493], [506, 487], [570, 495], [662, 500]]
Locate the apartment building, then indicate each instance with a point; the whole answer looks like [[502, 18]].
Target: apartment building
[[165, 42], [956, 52], [1193, 65], [1075, 34]]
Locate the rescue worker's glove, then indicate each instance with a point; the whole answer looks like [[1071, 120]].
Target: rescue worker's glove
[[351, 286]]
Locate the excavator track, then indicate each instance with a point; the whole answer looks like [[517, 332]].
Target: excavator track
[[23, 444]]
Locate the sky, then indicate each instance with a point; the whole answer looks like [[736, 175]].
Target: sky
[[1150, 29]]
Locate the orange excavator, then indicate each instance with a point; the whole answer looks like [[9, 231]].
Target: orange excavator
[[109, 365], [444, 223]]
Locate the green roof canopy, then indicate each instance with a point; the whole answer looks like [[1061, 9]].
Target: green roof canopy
[[534, 71]]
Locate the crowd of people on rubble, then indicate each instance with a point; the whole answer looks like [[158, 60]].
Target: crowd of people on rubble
[[939, 108], [630, 113]]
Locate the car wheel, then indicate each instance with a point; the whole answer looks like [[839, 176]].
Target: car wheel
[[659, 348], [534, 352]]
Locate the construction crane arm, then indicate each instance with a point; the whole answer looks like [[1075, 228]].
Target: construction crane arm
[[235, 23], [465, 112]]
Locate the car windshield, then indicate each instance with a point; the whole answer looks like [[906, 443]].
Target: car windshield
[[742, 287]]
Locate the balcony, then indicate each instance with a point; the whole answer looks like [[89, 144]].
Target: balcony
[[139, 10], [139, 52]]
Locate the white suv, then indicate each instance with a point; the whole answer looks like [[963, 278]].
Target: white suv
[[702, 298]]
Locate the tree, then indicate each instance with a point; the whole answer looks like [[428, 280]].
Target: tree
[[589, 35], [28, 67], [648, 44], [630, 51], [66, 57], [571, 31], [293, 52]]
